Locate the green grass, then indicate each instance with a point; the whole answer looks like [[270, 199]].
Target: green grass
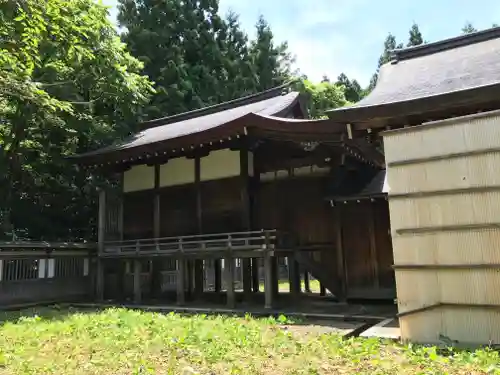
[[119, 341]]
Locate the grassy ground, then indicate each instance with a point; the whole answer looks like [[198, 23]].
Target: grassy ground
[[119, 341]]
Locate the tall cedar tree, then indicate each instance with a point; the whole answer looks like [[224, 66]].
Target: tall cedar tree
[[197, 58], [415, 38], [468, 28], [237, 72], [390, 44], [176, 41], [353, 90], [272, 63]]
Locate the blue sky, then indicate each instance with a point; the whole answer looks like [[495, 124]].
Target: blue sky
[[328, 37]]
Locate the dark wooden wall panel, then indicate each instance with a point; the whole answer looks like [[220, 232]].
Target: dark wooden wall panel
[[221, 204], [355, 229], [178, 210], [138, 214], [385, 256]]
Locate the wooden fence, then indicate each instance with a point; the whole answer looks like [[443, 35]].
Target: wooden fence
[[39, 272]]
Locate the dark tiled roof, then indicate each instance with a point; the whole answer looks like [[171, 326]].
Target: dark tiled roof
[[376, 187], [270, 103], [244, 101], [458, 64]]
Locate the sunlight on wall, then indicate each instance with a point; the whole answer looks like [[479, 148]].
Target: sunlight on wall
[[220, 164], [139, 177], [177, 171]]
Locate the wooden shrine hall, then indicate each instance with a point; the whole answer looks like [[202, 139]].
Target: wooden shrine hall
[[241, 194]]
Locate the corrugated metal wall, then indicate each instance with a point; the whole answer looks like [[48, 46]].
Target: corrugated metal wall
[[444, 200]]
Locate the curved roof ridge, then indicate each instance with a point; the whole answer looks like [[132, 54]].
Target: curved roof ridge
[[445, 44], [249, 99]]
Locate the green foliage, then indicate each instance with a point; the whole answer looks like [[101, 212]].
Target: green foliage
[[353, 91], [322, 97], [468, 28], [66, 85], [120, 341], [198, 58], [272, 63], [415, 38]]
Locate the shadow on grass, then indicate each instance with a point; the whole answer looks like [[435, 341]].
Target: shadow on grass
[[49, 313]]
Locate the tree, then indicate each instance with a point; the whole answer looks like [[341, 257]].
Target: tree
[[197, 58], [67, 84], [352, 89], [322, 97], [272, 63], [468, 28], [390, 45], [176, 41], [415, 38], [237, 76]]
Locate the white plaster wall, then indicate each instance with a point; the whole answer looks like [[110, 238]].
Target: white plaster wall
[[51, 268], [41, 268], [86, 266], [139, 177], [177, 171], [220, 164]]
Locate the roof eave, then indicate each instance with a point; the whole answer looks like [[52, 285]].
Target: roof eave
[[260, 125], [415, 106]]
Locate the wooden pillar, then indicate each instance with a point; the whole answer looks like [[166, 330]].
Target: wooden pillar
[[137, 281], [121, 210], [255, 275], [373, 245], [157, 206], [268, 281], [341, 274], [246, 217], [294, 276], [190, 276], [268, 274], [322, 290], [198, 263], [275, 274], [181, 277], [229, 278], [99, 279], [156, 263], [254, 184], [217, 275], [307, 286], [101, 228]]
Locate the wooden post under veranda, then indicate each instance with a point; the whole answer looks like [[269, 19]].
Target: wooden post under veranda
[[101, 229], [268, 273], [229, 277]]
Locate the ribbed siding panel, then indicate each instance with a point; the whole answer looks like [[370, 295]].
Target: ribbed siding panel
[[467, 326], [444, 226], [456, 247], [456, 173], [445, 210], [463, 136], [426, 287]]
